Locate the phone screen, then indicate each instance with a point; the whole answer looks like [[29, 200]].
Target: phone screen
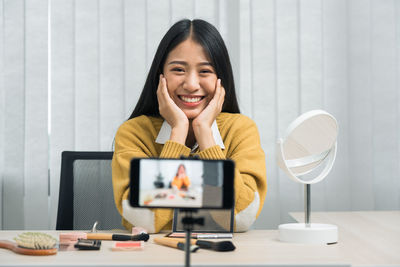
[[181, 183]]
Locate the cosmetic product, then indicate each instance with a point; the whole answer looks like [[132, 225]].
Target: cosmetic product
[[68, 240], [127, 245], [202, 235], [71, 237], [138, 230], [214, 236], [86, 244]]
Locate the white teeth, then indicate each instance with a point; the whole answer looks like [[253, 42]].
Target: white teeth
[[190, 99]]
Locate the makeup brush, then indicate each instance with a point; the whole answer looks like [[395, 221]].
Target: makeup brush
[[217, 246], [118, 237], [32, 243], [174, 243]]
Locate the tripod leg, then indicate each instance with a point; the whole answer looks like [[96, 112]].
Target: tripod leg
[[187, 247]]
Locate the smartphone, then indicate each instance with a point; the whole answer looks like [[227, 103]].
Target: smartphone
[[181, 183]]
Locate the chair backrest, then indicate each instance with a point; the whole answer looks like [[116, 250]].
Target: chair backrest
[[86, 192]]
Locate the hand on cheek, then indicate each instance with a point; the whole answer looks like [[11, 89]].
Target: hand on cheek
[[203, 122], [175, 117]]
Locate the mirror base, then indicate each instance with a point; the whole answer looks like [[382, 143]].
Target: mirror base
[[313, 233]]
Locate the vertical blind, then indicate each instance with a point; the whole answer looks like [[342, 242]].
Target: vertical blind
[[23, 116], [72, 71]]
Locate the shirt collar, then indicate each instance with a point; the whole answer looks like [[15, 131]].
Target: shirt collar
[[165, 133]]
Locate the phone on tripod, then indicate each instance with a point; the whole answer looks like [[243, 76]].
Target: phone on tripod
[[182, 183]]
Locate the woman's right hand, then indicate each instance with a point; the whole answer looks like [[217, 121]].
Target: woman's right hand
[[175, 117]]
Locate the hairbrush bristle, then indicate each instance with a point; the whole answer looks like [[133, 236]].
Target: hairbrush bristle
[[36, 240]]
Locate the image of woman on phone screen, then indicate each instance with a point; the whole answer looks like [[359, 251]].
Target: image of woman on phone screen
[[181, 181], [188, 107]]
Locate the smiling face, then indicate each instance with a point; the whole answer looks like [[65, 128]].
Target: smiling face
[[190, 77], [181, 170]]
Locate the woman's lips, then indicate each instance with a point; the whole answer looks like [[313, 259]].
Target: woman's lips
[[191, 101]]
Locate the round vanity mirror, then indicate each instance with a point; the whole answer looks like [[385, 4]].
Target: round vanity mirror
[[306, 153], [310, 141]]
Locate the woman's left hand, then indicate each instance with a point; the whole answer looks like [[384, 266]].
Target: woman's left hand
[[202, 123]]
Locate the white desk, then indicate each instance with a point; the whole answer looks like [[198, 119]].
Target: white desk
[[360, 244], [365, 237]]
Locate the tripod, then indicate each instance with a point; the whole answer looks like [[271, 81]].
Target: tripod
[[188, 222]]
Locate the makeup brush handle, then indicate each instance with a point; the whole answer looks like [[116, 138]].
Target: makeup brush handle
[[170, 242], [117, 237], [182, 240], [174, 243], [99, 236]]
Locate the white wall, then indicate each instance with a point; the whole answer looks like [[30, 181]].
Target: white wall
[[289, 56]]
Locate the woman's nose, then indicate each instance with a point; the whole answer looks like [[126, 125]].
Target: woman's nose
[[192, 82]]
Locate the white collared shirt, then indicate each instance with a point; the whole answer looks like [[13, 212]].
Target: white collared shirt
[[165, 133]]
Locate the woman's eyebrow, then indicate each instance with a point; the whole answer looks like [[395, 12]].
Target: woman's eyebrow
[[178, 62], [185, 63], [206, 63]]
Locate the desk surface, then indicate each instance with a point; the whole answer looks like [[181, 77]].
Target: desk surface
[[365, 238]]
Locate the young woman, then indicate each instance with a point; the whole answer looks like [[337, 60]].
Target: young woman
[[188, 107], [181, 181]]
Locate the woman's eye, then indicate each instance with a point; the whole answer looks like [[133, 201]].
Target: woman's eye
[[178, 69], [205, 71]]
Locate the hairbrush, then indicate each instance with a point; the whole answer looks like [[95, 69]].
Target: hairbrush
[[32, 243]]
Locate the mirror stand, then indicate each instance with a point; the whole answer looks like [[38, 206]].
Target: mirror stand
[[307, 204], [307, 232], [310, 141]]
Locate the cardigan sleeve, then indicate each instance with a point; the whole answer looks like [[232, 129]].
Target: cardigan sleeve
[[250, 182], [137, 144]]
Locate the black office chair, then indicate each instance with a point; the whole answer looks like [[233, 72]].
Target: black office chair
[[86, 192]]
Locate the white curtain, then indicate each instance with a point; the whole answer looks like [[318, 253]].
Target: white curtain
[[289, 56], [23, 114]]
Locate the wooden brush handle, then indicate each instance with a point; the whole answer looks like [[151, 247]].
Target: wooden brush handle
[[170, 242], [182, 240], [175, 243], [27, 251], [99, 236]]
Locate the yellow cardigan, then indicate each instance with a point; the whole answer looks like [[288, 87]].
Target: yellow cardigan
[[136, 138]]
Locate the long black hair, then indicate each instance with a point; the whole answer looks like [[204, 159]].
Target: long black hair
[[209, 38]]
